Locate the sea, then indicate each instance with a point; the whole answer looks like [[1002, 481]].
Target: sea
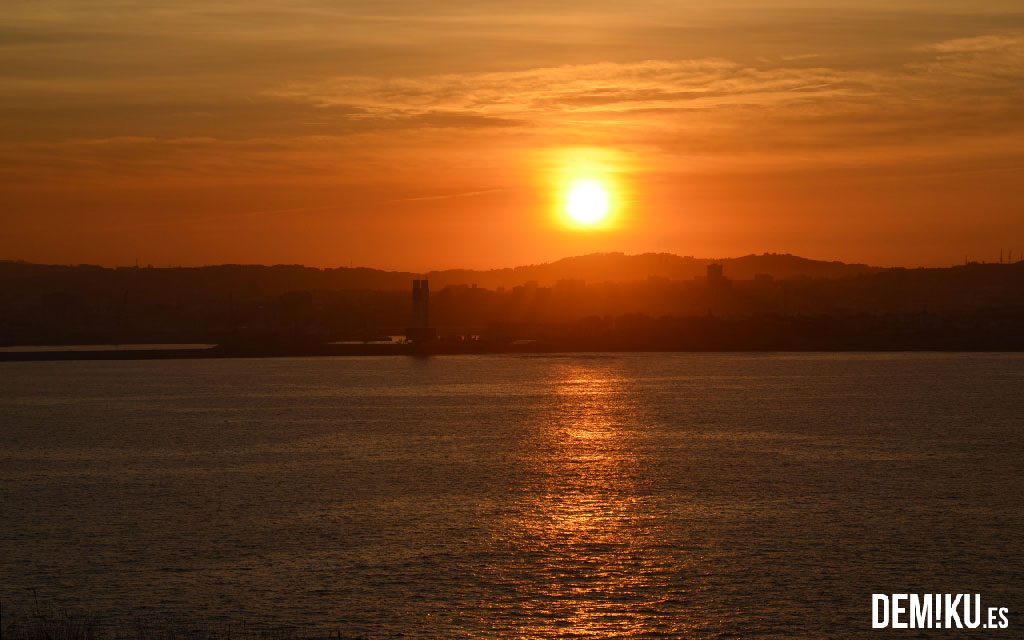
[[651, 495]]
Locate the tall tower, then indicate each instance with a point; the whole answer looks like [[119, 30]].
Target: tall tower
[[716, 289], [420, 331], [420, 304]]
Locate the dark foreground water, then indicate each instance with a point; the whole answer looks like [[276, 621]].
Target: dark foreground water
[[508, 496]]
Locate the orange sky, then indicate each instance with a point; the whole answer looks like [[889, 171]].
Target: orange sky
[[420, 135]]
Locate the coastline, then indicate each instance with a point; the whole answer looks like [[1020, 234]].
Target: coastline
[[412, 350]]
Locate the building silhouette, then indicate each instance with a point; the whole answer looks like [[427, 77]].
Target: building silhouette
[[420, 303], [716, 275], [420, 331]]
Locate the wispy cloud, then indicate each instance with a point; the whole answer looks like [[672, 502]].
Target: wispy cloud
[[959, 97], [976, 44], [450, 196], [702, 83], [962, 90]]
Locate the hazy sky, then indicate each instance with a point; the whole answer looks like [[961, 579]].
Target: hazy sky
[[419, 135]]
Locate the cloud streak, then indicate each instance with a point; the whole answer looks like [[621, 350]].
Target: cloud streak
[[963, 97]]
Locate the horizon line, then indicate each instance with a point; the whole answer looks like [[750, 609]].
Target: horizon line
[[140, 265]]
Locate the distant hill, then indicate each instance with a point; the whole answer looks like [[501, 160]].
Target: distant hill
[[619, 267], [272, 280]]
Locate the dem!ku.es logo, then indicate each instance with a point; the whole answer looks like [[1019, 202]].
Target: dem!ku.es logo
[[935, 611]]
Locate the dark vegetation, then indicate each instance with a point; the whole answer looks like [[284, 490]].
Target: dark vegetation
[[649, 302]]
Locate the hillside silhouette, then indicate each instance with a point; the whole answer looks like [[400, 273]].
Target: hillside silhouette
[[801, 302], [273, 280], [619, 267]]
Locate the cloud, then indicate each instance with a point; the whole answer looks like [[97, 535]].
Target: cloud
[[956, 100], [450, 196], [963, 93], [976, 44], [701, 83]]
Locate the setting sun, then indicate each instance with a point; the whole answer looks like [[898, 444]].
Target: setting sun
[[587, 202]]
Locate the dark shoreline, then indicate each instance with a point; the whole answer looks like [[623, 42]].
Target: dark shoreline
[[410, 350]]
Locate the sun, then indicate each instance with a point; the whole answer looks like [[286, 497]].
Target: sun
[[587, 201]]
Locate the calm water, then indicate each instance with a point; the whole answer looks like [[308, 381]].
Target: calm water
[[509, 496], [103, 347]]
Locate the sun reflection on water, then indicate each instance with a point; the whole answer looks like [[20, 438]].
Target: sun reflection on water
[[587, 543]]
